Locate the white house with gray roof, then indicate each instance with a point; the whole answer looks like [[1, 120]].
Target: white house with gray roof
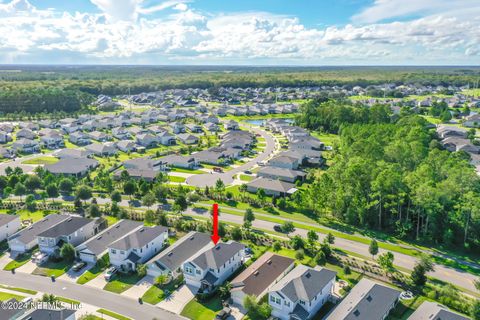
[[25, 239], [9, 224], [272, 187], [301, 293], [170, 261], [73, 230], [137, 247], [367, 300], [209, 269], [94, 248]]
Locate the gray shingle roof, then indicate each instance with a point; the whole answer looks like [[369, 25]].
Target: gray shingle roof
[[7, 218], [304, 283], [271, 184], [433, 311], [29, 234], [139, 238], [101, 241], [218, 255], [65, 227], [71, 166], [174, 256], [367, 300]]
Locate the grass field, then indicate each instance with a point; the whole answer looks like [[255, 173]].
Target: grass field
[[27, 291], [18, 262], [4, 296], [205, 310], [41, 160], [176, 179], [122, 282], [55, 269], [90, 275]]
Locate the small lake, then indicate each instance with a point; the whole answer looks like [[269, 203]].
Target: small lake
[[261, 122]]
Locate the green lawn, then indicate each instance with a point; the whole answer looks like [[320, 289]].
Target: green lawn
[[69, 302], [205, 310], [122, 282], [245, 177], [157, 293], [41, 160], [7, 296], [182, 170], [51, 268], [19, 261], [90, 275], [27, 291], [176, 179], [35, 215], [112, 314]]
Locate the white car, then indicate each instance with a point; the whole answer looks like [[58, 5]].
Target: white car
[[110, 273]]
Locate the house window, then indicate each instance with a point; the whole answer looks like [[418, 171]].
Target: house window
[[278, 301], [287, 303], [302, 302], [272, 298], [122, 252], [188, 270], [114, 251], [197, 271]]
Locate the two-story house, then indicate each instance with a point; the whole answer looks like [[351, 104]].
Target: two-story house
[[211, 268], [73, 230], [301, 293], [137, 247], [9, 224]]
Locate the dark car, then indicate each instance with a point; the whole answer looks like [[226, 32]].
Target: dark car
[[277, 228], [248, 172], [78, 266], [223, 314]]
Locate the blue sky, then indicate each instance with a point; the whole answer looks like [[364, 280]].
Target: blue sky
[[247, 32]]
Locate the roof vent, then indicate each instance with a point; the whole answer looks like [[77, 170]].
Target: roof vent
[[217, 248], [308, 275], [256, 273], [356, 313], [170, 254], [141, 230], [269, 261], [99, 238], [369, 298]]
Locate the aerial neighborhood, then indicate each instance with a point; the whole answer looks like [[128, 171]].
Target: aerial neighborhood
[[321, 213]]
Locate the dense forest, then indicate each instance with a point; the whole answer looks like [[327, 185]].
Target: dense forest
[[394, 176], [39, 88]]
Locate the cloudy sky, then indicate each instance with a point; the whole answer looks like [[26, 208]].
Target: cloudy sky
[[243, 32]]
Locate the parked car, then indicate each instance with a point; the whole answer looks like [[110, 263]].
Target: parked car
[[217, 169], [41, 259], [78, 266], [110, 273], [223, 314], [248, 172]]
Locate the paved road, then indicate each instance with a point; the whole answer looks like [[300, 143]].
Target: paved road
[[203, 180], [457, 277], [97, 297]]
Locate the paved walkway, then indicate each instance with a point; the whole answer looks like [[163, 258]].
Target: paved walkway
[[178, 299], [73, 276], [4, 260], [99, 282], [27, 267], [202, 180]]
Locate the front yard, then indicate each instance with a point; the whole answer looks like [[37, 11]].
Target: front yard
[[19, 261], [205, 310], [7, 296], [122, 282], [90, 275], [157, 293], [51, 268]]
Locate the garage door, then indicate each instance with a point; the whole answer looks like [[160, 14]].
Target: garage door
[[88, 257]]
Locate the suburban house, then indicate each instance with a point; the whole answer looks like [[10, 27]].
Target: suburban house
[[212, 127], [26, 134], [126, 146], [451, 131], [145, 164], [260, 276], [281, 174], [429, 310], [137, 247], [99, 136], [94, 248], [79, 138], [472, 121], [102, 149], [25, 239], [52, 140], [177, 127], [186, 162], [366, 300], [272, 187], [73, 230], [166, 138], [76, 167], [284, 161], [9, 224], [231, 125], [195, 128], [453, 144], [211, 268], [147, 140], [5, 137], [26, 146], [170, 261], [121, 134], [301, 293], [20, 311], [187, 138], [72, 153]]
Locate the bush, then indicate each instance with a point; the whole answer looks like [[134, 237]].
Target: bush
[[346, 270], [299, 254]]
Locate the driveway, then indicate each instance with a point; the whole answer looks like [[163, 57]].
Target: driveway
[[203, 180], [139, 288], [178, 299], [73, 276], [27, 267], [4, 260], [17, 162]]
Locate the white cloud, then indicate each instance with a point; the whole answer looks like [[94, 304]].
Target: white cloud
[[185, 35]]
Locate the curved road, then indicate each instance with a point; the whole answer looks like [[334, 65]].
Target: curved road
[[203, 180], [450, 275], [89, 295]]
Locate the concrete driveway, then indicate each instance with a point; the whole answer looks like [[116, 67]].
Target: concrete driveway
[[73, 276], [27, 267], [140, 287], [4, 260], [178, 299]]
